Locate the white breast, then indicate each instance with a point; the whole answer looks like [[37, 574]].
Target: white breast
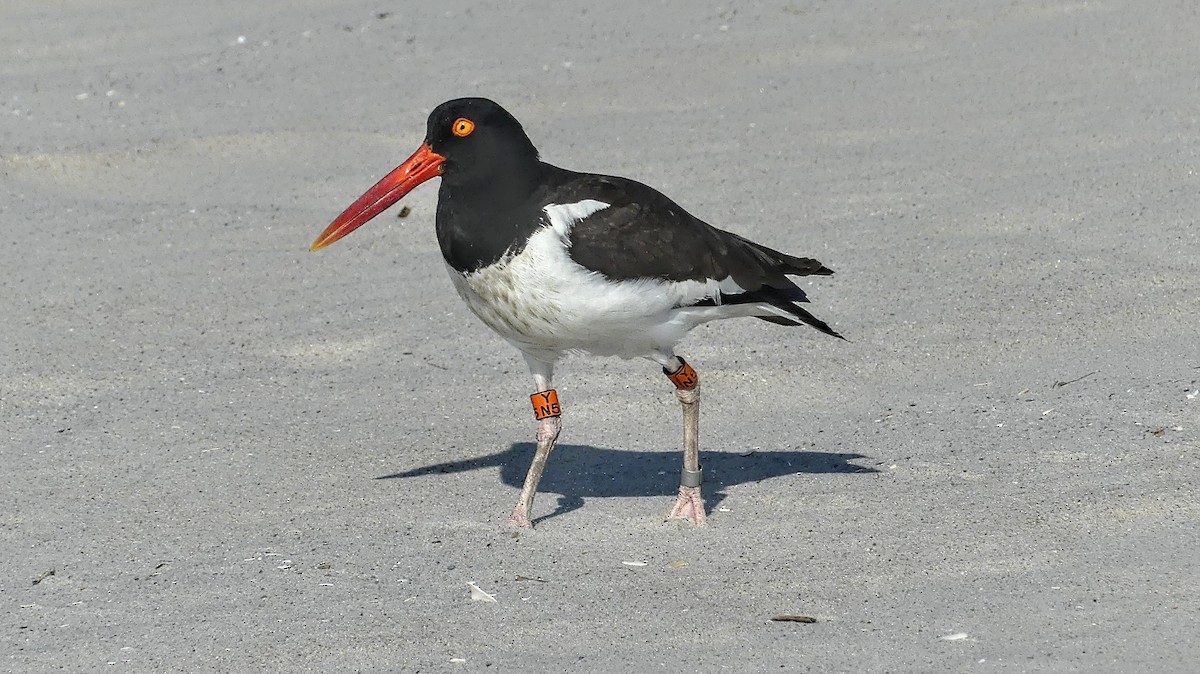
[[546, 304]]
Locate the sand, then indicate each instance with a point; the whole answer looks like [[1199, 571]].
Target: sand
[[224, 453]]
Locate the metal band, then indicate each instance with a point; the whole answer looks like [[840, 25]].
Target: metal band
[[691, 478]]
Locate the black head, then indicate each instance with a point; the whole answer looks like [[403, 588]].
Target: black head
[[480, 141], [474, 145]]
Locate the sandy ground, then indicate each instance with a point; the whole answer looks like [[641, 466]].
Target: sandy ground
[[222, 452]]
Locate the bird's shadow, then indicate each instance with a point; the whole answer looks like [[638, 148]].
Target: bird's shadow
[[578, 472]]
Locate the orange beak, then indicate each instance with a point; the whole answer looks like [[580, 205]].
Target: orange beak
[[423, 165]]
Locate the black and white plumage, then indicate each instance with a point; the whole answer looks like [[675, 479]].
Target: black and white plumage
[[556, 261]]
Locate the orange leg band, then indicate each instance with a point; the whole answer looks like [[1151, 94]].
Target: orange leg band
[[685, 378], [545, 404]]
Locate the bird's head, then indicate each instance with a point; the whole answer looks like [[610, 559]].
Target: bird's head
[[468, 140]]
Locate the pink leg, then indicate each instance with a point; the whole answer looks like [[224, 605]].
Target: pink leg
[[547, 434], [690, 504]]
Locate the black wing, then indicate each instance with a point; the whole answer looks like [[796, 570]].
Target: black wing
[[643, 234]]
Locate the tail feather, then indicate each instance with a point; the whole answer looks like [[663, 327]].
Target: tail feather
[[766, 270], [785, 299], [788, 302], [805, 318]]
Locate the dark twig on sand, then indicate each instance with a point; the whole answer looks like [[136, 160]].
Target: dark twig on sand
[[793, 619], [1072, 381]]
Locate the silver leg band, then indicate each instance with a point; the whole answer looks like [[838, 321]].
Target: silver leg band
[[691, 478]]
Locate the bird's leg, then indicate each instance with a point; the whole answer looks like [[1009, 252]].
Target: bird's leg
[[549, 414], [690, 504]]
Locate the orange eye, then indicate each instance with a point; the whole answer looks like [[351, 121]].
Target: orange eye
[[462, 127]]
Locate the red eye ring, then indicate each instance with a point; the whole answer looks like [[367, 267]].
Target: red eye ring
[[462, 127]]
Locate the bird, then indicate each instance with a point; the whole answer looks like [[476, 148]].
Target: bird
[[559, 262]]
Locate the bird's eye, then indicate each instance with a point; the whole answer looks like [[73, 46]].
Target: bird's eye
[[462, 127]]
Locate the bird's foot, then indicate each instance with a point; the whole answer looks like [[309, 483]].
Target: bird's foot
[[519, 519], [689, 506]]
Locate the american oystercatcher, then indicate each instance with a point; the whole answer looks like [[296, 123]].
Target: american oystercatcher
[[557, 261]]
